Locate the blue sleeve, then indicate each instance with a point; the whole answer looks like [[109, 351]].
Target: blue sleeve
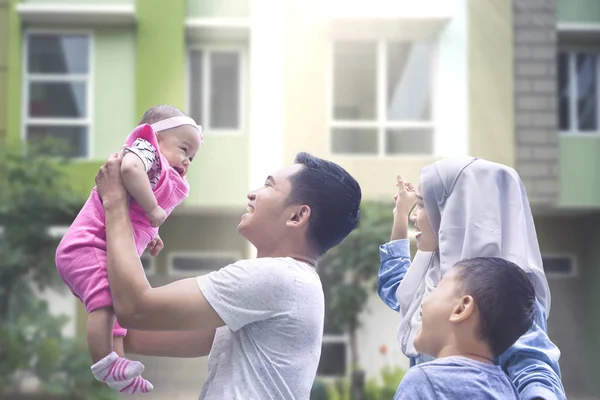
[[394, 262], [415, 385], [532, 363]]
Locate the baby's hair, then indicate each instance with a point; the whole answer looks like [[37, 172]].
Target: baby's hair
[[159, 113]]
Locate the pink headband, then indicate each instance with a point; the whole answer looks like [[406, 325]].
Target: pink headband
[[174, 122]]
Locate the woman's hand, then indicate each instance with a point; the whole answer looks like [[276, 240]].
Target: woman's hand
[[404, 201]]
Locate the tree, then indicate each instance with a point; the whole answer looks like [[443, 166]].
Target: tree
[[351, 268], [34, 195]]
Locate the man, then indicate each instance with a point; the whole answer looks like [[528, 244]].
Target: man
[[261, 320]]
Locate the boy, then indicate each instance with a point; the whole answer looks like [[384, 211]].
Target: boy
[[479, 309]]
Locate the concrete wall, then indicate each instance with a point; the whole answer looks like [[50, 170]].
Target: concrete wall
[[534, 23]]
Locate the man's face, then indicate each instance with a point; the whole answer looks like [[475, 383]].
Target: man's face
[[268, 210], [436, 311]]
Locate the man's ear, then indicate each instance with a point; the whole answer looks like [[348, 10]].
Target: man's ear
[[299, 217], [463, 309]]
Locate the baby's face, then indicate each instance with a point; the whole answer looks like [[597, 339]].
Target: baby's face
[[179, 146]]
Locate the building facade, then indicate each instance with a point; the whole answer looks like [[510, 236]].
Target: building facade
[[379, 87]]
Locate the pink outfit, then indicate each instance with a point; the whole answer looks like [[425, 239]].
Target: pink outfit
[[81, 254]]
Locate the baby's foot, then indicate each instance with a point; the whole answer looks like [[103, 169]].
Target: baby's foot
[[121, 374]]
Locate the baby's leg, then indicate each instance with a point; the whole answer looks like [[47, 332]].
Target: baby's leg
[[99, 332], [109, 367], [118, 346]]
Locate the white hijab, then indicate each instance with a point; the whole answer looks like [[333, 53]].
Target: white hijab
[[477, 209]]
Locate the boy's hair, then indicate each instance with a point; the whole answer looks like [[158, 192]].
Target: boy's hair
[[504, 296], [158, 113], [333, 196]]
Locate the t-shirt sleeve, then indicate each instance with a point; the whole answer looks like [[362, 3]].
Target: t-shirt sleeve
[[249, 291], [415, 385], [145, 151]]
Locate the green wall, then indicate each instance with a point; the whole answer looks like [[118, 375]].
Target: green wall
[[114, 90], [160, 54], [82, 2], [218, 8], [579, 171], [578, 10], [219, 174]]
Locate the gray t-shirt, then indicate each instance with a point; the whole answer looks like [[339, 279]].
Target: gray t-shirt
[[273, 309], [456, 378]]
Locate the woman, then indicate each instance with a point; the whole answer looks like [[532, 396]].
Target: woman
[[468, 208]]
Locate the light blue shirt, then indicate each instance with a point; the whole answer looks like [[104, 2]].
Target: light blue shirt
[[456, 378], [531, 363]]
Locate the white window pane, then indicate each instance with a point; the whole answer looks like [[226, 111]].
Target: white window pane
[[333, 360], [587, 91], [564, 89], [58, 99], [225, 90], [58, 54], [354, 141], [196, 88], [408, 81], [73, 140], [409, 141], [354, 81]]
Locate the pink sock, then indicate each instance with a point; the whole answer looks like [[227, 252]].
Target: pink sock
[[121, 374]]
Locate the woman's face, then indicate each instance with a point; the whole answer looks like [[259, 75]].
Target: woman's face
[[426, 239]]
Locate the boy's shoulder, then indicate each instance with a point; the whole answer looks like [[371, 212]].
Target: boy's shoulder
[[450, 376]]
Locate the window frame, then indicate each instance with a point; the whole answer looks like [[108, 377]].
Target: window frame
[[573, 273], [87, 122], [343, 338], [380, 122], [205, 81], [234, 255], [572, 77]]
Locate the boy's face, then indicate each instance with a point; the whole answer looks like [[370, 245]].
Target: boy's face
[[441, 310], [179, 146]]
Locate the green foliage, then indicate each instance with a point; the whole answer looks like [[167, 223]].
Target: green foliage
[[384, 390], [352, 268], [34, 195]]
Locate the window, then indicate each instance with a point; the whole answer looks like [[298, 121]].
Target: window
[[57, 86], [559, 265], [381, 98], [335, 350], [194, 264], [216, 89], [578, 95]]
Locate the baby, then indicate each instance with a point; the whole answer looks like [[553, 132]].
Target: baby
[[157, 156], [479, 309]]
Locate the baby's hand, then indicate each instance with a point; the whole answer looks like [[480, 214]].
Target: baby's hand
[[157, 216], [155, 246]]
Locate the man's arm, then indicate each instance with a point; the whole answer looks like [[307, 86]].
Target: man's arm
[[174, 307], [182, 344]]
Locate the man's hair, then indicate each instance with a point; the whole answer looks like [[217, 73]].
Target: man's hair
[[158, 113], [333, 196], [504, 296]]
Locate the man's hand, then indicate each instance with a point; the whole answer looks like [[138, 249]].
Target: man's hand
[[156, 246], [157, 216], [109, 182]]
